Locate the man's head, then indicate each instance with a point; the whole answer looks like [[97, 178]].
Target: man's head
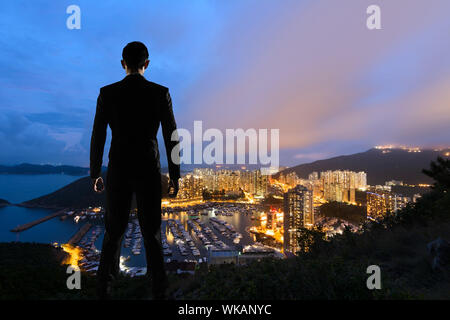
[[135, 57]]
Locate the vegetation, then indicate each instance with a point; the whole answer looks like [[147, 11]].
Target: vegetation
[[31, 271], [344, 211]]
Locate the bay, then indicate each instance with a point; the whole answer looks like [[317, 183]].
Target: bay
[[17, 188]]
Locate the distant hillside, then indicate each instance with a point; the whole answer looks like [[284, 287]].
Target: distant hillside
[[76, 195], [4, 203], [27, 168], [397, 164]]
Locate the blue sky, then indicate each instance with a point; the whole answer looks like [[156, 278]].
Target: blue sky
[[310, 68]]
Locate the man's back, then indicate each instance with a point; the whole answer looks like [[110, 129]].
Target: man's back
[[134, 109]]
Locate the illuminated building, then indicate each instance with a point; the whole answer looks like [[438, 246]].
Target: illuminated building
[[271, 220], [291, 179], [252, 182], [191, 186], [220, 256], [313, 176], [341, 185], [381, 201], [298, 213], [394, 183], [260, 182]]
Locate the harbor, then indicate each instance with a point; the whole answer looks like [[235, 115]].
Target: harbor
[[29, 225], [80, 234], [189, 236]]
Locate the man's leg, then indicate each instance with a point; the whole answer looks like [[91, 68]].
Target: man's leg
[[148, 198], [118, 204]]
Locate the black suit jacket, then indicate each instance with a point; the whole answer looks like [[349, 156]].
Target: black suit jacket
[[134, 108]]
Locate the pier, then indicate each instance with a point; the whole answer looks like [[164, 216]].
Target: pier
[[80, 234], [29, 225]]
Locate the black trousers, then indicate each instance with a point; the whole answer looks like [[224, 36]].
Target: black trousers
[[120, 185]]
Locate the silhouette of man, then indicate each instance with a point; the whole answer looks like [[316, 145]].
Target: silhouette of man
[[133, 108]]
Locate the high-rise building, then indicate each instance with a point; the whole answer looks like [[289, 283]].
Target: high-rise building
[[234, 180], [380, 201], [191, 186], [313, 176], [341, 185], [298, 213], [261, 183]]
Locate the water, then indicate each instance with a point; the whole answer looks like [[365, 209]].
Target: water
[[53, 230], [19, 188]]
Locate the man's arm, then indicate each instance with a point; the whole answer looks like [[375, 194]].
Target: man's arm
[[98, 139], [171, 139]]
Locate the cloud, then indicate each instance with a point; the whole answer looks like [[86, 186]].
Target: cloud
[[311, 156], [310, 68], [22, 140]]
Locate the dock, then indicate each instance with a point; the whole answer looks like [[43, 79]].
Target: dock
[[80, 234], [29, 225]]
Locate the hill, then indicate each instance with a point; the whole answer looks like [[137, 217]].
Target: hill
[[27, 168], [76, 195], [37, 271], [4, 203], [381, 165]]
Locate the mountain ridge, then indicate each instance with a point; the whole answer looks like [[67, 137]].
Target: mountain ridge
[[4, 203], [29, 168], [77, 195], [381, 165], [36, 169]]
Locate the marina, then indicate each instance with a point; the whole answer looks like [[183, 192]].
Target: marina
[[80, 234], [188, 234]]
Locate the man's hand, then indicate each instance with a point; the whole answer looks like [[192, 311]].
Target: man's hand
[[173, 188], [98, 184]]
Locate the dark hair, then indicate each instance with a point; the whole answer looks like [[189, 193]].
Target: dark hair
[[135, 53]]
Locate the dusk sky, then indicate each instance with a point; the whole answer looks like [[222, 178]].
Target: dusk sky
[[309, 68]]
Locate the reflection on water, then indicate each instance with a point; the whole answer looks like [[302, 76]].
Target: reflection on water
[[240, 221], [55, 230]]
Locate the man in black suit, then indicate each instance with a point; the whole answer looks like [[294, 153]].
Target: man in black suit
[[134, 108]]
